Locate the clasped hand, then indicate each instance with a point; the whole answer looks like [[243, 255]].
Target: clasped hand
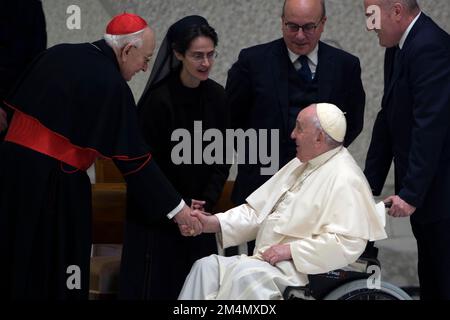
[[194, 221]]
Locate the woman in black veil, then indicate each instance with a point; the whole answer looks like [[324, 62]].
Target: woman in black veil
[[178, 93]]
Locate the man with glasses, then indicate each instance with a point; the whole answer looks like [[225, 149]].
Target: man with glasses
[[272, 82]]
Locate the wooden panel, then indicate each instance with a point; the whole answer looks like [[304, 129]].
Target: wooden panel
[[108, 212], [107, 172], [224, 202]]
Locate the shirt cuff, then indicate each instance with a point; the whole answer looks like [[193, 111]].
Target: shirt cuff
[[174, 212]]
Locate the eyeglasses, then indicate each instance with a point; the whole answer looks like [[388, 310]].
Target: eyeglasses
[[147, 59], [307, 29], [200, 57]]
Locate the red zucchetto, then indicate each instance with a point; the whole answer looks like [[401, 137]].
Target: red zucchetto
[[125, 23]]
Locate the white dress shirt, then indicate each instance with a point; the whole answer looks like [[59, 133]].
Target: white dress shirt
[[313, 60]]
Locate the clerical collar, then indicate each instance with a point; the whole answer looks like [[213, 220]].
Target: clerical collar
[[313, 56], [405, 35], [324, 157]]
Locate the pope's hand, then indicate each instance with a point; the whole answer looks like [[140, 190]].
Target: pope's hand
[[209, 222], [277, 253]]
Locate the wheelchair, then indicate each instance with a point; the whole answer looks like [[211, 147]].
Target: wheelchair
[[348, 284]]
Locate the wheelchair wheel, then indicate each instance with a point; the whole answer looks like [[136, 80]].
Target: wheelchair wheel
[[357, 290]]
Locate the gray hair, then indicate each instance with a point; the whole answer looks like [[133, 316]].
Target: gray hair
[[328, 139], [120, 41], [322, 2]]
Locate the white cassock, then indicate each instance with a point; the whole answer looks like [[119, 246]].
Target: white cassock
[[323, 209]]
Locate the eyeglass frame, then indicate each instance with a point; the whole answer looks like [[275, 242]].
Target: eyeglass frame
[[147, 59], [199, 57], [314, 26]]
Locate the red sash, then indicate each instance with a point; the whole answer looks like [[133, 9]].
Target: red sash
[[26, 131]]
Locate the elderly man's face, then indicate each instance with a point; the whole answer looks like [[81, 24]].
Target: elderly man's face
[[137, 58], [390, 33], [301, 13], [306, 135]]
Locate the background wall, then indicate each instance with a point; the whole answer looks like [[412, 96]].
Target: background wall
[[245, 23]]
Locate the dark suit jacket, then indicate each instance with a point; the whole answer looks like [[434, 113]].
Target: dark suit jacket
[[257, 89], [413, 125]]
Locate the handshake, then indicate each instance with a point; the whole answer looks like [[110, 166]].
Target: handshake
[[194, 220]]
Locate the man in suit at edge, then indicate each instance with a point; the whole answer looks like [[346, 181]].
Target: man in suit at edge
[[412, 129], [272, 82]]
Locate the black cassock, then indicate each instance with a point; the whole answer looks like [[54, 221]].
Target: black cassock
[[71, 107]]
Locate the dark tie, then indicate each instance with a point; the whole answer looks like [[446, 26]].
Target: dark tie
[[304, 72]]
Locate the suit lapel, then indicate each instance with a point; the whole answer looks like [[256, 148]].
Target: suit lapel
[[280, 68], [325, 73]]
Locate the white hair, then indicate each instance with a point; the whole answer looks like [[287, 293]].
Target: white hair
[[328, 139], [120, 41]]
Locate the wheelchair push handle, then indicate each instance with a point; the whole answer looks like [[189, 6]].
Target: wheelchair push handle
[[388, 204]]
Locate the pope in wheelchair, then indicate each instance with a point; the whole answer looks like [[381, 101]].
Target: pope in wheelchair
[[315, 215]]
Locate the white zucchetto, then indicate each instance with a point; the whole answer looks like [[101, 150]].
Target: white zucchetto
[[332, 120]]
